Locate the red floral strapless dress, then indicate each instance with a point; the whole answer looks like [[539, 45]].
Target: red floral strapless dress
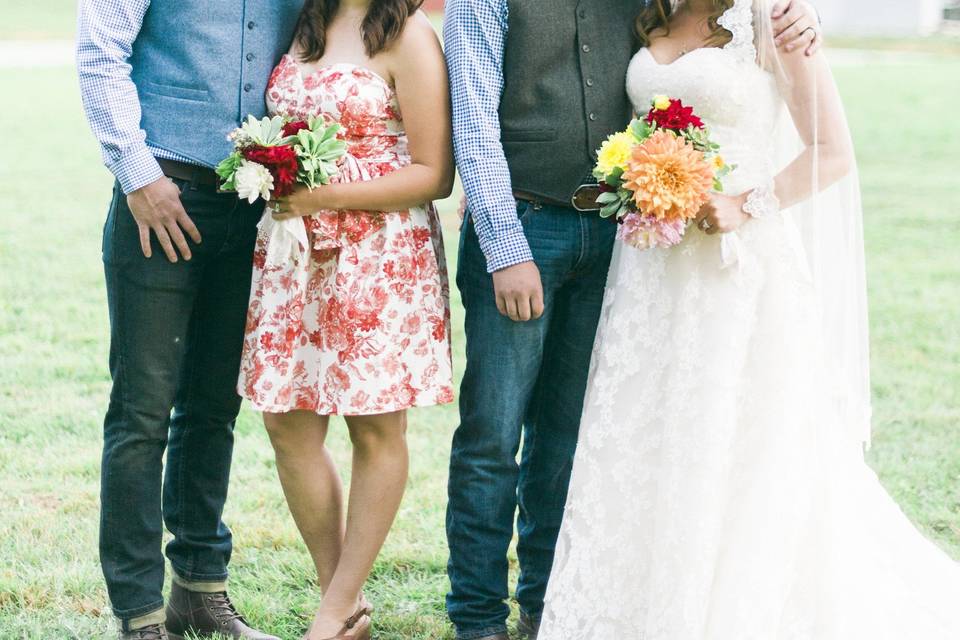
[[360, 323]]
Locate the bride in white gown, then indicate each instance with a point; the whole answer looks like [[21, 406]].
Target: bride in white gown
[[719, 490]]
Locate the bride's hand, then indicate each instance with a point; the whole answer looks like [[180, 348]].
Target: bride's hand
[[722, 214], [302, 202]]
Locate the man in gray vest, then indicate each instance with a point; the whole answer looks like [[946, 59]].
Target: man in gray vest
[[537, 86], [163, 83]]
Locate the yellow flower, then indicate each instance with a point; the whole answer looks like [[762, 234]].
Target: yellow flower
[[719, 162], [615, 152], [661, 103]]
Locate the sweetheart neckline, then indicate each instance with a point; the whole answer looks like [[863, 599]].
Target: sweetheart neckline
[[653, 58], [305, 73]]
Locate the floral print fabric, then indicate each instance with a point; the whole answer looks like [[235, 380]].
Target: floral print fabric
[[360, 324]]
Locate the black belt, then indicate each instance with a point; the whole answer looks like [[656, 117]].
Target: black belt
[[584, 199], [192, 173]]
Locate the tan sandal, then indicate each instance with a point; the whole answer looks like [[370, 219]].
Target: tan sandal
[[356, 627], [365, 604]]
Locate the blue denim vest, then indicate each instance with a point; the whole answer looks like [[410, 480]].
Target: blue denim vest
[[201, 66]]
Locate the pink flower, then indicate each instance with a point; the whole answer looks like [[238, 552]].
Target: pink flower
[[645, 231]]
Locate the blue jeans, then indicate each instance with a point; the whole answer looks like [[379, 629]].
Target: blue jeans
[[523, 381], [176, 333]]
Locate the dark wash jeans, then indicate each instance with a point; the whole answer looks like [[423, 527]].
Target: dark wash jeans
[[176, 333], [523, 381]]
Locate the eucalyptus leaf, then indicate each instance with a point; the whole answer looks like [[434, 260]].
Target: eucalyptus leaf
[[607, 198]]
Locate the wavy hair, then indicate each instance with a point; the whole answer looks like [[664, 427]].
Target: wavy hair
[[382, 25], [656, 15]]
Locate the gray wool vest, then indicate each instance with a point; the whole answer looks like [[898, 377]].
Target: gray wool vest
[[565, 68]]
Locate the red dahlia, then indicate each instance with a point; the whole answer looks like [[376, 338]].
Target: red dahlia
[[676, 117], [291, 128], [282, 164]]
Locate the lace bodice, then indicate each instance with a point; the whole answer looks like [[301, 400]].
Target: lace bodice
[[737, 100]]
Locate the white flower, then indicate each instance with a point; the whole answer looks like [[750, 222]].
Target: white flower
[[253, 180]]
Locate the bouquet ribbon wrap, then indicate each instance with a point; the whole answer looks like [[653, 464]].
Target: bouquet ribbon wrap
[[290, 239], [731, 248], [286, 239]]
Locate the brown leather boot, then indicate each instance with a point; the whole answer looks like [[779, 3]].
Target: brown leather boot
[[528, 626], [152, 632], [206, 614]]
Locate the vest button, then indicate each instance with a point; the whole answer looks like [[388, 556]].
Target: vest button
[[248, 87], [589, 82], [250, 57], [583, 13], [586, 48], [593, 117], [251, 24]]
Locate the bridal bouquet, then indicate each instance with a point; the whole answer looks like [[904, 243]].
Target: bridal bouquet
[[657, 174], [271, 156]]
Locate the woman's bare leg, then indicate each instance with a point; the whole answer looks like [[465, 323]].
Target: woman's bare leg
[[311, 484], [379, 477]]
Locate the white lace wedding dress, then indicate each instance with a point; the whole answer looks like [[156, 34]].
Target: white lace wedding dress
[[714, 494]]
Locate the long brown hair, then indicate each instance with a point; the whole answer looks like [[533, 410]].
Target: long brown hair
[[382, 25], [656, 15]]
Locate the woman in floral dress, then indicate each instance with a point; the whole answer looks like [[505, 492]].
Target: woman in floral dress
[[356, 324]]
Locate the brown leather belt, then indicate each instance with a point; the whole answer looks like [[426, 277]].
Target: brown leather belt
[[194, 174], [584, 199]]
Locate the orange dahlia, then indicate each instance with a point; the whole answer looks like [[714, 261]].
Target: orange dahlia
[[670, 180]]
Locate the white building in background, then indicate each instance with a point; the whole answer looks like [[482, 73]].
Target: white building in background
[[881, 17]]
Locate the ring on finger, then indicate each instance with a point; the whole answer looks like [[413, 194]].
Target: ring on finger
[[813, 29]]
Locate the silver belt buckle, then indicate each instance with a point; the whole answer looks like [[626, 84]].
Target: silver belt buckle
[[573, 199]]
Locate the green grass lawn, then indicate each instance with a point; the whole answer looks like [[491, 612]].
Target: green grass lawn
[[53, 378], [37, 19]]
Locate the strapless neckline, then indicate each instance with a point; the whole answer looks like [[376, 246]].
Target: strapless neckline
[[683, 57], [311, 72]]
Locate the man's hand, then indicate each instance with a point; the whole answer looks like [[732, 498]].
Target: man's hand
[[796, 25], [519, 292], [157, 207]]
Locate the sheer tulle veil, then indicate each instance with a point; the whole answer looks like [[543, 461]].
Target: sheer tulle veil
[[829, 222]]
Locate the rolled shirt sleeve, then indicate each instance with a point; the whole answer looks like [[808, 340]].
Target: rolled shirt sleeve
[[106, 32], [475, 34]]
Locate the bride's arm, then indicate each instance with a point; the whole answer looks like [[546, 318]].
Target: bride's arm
[[420, 75], [807, 86]]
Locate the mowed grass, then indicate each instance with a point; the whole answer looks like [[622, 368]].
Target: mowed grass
[[54, 384], [37, 19]]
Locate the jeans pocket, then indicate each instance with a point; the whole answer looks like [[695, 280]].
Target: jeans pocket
[[119, 230], [525, 211]]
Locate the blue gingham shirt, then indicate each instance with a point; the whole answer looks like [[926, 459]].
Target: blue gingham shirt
[[106, 32], [474, 33]]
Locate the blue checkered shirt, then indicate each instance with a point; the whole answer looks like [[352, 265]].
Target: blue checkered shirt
[[106, 33], [474, 33]]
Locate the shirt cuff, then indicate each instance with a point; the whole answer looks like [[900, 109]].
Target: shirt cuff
[[135, 169], [508, 250]]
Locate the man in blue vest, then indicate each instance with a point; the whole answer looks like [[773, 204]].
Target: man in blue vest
[[163, 83]]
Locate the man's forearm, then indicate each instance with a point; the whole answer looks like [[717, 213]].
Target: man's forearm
[[106, 33]]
